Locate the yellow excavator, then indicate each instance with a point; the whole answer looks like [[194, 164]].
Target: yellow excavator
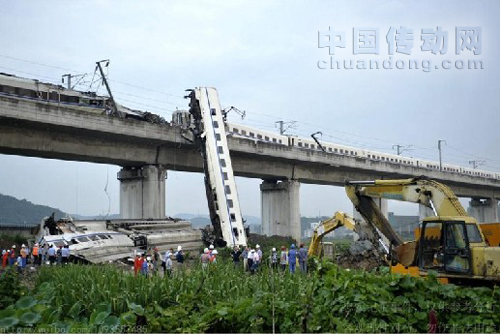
[[451, 243], [326, 226]]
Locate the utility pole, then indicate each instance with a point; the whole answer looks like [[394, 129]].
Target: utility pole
[[282, 126], [400, 148], [440, 158], [476, 163], [70, 76], [115, 110]]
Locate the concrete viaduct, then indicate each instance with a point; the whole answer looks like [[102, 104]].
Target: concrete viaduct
[[146, 151]]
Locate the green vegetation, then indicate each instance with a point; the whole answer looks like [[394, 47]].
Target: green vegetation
[[224, 299]]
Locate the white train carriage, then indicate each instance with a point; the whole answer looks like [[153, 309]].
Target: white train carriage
[[237, 130]]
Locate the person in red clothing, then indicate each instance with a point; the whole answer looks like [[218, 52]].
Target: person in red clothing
[[137, 264], [5, 258]]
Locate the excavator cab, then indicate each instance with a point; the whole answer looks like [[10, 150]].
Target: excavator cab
[[444, 246]]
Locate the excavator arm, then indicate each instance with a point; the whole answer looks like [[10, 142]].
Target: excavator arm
[[417, 190], [327, 226]]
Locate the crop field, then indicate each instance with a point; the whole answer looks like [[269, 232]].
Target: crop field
[[226, 299]]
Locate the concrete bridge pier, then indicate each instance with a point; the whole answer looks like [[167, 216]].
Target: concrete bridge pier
[[142, 192], [280, 208], [424, 212], [484, 210]]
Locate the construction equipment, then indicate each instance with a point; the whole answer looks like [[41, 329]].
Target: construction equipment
[[326, 226], [209, 134], [452, 243]]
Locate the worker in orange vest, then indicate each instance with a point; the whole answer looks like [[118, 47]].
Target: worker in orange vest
[[35, 254]]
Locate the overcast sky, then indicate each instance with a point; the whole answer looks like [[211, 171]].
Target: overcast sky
[[262, 56]]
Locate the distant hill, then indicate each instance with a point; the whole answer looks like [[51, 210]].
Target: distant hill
[[18, 212]]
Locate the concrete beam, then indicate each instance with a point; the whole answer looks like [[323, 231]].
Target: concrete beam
[[37, 129], [280, 208]]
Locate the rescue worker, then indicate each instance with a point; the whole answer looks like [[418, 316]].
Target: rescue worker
[[167, 270], [65, 254], [259, 253], [256, 261], [205, 258], [244, 255], [213, 258], [179, 255], [292, 258], [52, 254], [156, 260], [236, 253], [144, 265], [5, 258], [251, 255], [283, 258], [137, 264], [302, 258], [45, 253], [274, 259], [12, 259], [36, 256], [24, 255], [19, 264], [59, 255]]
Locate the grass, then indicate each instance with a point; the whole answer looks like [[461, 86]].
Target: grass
[[225, 299]]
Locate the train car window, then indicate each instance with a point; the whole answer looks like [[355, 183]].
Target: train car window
[[228, 190], [306, 145], [329, 149], [300, 144], [235, 130], [266, 138], [217, 136], [223, 162], [54, 96], [352, 153], [243, 132], [216, 124], [341, 151], [252, 134], [224, 175], [220, 149], [214, 112], [259, 136], [233, 217], [230, 203], [279, 141], [336, 150], [369, 156]]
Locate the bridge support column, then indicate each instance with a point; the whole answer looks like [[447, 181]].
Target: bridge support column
[[424, 212], [485, 211], [142, 192], [280, 208]]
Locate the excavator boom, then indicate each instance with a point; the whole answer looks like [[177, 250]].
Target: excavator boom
[[327, 226]]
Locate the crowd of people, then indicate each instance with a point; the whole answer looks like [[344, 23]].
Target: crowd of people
[[48, 254], [150, 262], [253, 258]]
